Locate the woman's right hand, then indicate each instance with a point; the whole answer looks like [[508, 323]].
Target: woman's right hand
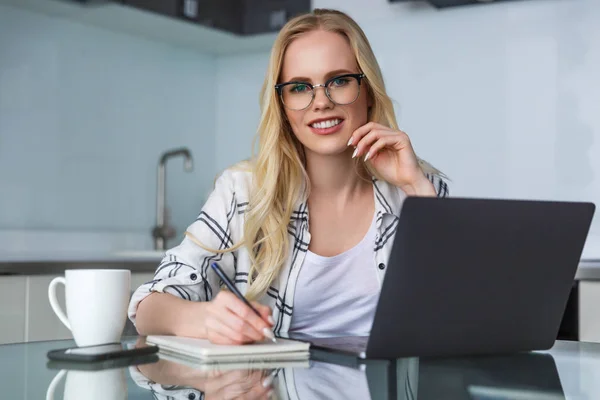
[[172, 379], [227, 320], [239, 385]]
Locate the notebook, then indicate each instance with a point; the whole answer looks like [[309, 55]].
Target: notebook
[[204, 350], [222, 366]]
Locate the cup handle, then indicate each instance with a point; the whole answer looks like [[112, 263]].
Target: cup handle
[[54, 302], [53, 384]]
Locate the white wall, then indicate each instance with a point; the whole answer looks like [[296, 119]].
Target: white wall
[[239, 80], [84, 116], [504, 98]]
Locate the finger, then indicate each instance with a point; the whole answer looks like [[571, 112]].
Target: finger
[[258, 392], [368, 140], [216, 385], [234, 383], [226, 336], [236, 306], [227, 328], [241, 325], [380, 144], [239, 308], [363, 130], [238, 377], [265, 312]]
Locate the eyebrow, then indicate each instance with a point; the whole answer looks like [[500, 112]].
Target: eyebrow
[[327, 76]]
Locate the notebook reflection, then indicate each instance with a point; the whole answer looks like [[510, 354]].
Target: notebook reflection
[[176, 378]]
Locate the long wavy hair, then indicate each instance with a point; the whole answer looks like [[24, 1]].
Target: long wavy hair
[[280, 180]]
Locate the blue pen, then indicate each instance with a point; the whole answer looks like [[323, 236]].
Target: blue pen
[[266, 331]]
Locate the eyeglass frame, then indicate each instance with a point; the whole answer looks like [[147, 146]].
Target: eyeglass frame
[[358, 76]]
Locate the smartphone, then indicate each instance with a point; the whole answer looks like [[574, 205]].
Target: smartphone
[[102, 364], [102, 352]]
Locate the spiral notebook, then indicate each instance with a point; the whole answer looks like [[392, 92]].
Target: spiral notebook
[[206, 351]]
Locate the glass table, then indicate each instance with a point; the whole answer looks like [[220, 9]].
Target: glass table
[[570, 370]]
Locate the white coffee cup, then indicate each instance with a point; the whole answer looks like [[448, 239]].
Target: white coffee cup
[[91, 385], [97, 301]]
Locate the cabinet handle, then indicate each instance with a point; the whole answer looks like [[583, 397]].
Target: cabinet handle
[[190, 8], [277, 19]]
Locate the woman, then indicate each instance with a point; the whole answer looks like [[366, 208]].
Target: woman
[[305, 229]]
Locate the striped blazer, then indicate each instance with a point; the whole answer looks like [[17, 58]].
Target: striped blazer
[[185, 270]]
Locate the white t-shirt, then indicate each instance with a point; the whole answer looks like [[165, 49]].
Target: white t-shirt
[[338, 295]]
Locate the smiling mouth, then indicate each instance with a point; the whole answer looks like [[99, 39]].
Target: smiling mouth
[[326, 124]]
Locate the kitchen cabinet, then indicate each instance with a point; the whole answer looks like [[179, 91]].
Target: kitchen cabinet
[[165, 7], [43, 323], [13, 310], [589, 311], [25, 312], [451, 3], [261, 16], [241, 17]]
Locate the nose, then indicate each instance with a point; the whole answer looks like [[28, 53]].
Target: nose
[[321, 101]]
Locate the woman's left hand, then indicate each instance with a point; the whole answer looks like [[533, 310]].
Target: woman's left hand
[[391, 154]]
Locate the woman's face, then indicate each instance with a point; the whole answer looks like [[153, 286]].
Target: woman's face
[[316, 57]]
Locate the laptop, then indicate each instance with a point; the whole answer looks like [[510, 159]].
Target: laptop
[[473, 276]]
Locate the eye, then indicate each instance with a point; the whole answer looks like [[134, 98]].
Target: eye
[[299, 88], [336, 82]]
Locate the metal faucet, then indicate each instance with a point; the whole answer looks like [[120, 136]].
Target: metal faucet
[[162, 231]]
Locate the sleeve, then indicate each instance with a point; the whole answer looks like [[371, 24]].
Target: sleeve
[[184, 271], [160, 391], [440, 185]]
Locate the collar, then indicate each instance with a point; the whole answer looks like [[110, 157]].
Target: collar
[[388, 202]]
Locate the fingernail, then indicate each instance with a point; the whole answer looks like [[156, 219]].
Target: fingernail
[[271, 320], [268, 333], [367, 156], [355, 152], [350, 142]]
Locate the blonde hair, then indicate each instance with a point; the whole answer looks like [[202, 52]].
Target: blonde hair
[[280, 180]]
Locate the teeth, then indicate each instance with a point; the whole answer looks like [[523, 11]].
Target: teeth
[[326, 124]]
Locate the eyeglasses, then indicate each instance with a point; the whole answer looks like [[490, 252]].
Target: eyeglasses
[[341, 90]]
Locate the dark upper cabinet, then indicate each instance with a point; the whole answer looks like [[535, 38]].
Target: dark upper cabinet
[[453, 3], [242, 17], [262, 16], [164, 7]]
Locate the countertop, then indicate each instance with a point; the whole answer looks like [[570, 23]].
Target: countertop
[[33, 252], [132, 250], [87, 256], [567, 371], [37, 263]]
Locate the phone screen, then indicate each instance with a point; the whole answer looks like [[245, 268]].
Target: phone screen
[[95, 350]]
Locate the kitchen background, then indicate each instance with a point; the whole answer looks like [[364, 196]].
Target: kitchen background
[[504, 98]]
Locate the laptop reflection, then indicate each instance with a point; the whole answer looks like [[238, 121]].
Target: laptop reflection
[[520, 376]]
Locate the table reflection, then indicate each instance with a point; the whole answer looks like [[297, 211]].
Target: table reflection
[[179, 380], [520, 376], [325, 376]]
